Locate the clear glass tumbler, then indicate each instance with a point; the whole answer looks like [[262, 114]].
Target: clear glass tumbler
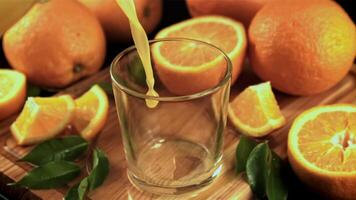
[[175, 147]]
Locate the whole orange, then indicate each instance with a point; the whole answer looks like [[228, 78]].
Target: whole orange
[[56, 43], [116, 24], [241, 10], [303, 47]]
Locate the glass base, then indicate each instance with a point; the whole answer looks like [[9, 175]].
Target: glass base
[[191, 190]]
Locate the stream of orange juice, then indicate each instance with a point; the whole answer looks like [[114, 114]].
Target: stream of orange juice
[[141, 42]]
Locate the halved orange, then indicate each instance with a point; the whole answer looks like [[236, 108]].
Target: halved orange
[[12, 92], [42, 118], [91, 111], [186, 67], [322, 149], [255, 112]]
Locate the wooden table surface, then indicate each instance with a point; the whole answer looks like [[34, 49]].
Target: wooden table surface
[[227, 186], [117, 186]]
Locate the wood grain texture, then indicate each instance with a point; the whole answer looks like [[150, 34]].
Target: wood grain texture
[[14, 172], [226, 186]]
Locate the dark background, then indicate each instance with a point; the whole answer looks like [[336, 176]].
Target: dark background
[[175, 11]]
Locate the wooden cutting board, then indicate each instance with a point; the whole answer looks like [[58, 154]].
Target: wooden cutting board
[[117, 186]]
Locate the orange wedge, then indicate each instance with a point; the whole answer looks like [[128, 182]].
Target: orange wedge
[[255, 111], [180, 66], [322, 149], [91, 111], [12, 92], [42, 118]]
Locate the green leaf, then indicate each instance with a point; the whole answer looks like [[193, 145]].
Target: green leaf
[[78, 191], [72, 194], [243, 151], [94, 180], [83, 188], [68, 148], [257, 169], [51, 175], [276, 188], [32, 91], [137, 71], [99, 171], [107, 87]]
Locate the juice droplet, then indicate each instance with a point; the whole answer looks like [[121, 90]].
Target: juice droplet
[[150, 102]]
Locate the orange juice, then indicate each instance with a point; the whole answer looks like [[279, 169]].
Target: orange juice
[[141, 42]]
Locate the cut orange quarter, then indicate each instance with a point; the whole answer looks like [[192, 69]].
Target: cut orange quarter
[[91, 111], [255, 112], [12, 92], [180, 65], [42, 118], [322, 149]]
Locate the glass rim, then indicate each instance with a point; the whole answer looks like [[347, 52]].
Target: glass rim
[[196, 95]]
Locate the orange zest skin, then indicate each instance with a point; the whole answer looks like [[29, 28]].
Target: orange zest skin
[[55, 43], [293, 44]]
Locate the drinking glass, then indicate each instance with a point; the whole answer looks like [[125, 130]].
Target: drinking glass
[[175, 147]]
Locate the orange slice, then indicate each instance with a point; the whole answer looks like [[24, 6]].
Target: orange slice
[[255, 111], [12, 92], [42, 118], [182, 65], [322, 149], [91, 111]]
